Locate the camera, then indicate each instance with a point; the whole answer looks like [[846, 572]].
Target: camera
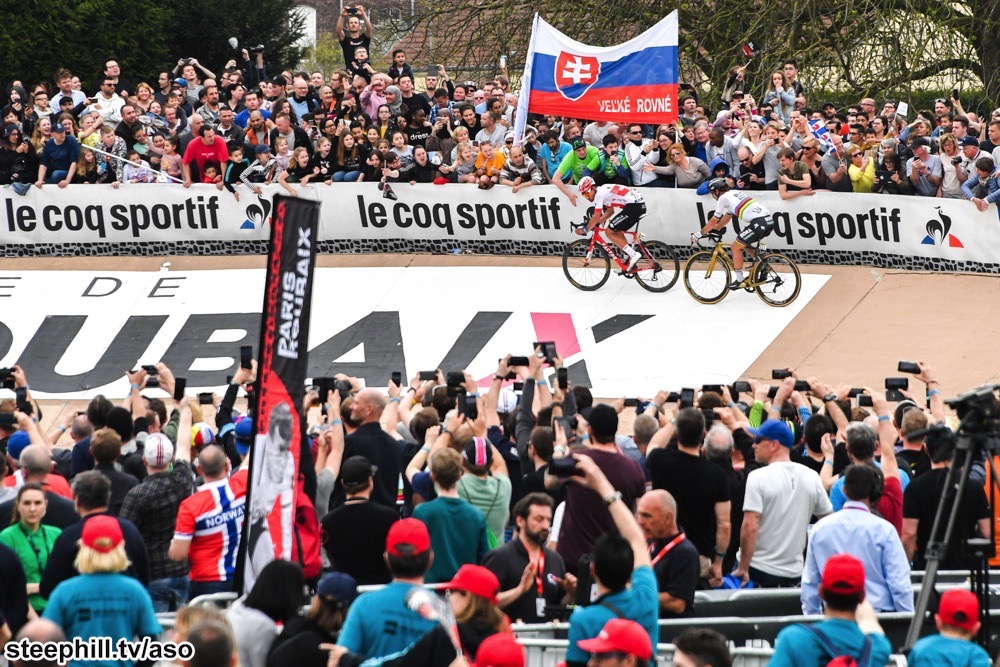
[[714, 388], [467, 406], [351, 10], [206, 398], [864, 401], [6, 378], [548, 351], [741, 387], [780, 373], [563, 467], [908, 367], [957, 159], [257, 49], [897, 383]]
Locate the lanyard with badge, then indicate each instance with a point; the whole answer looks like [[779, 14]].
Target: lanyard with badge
[[540, 584], [666, 549]]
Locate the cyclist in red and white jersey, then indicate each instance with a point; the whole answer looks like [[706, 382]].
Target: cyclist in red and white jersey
[[618, 205], [755, 218]]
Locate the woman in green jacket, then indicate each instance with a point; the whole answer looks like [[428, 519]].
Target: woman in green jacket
[[30, 539]]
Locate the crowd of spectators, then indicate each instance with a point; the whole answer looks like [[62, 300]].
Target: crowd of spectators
[[248, 127], [521, 504]]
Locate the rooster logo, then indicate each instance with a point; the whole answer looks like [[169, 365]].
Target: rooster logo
[[257, 214], [937, 232]]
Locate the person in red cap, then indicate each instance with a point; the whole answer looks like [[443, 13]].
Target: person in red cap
[[474, 601], [102, 601], [380, 623], [851, 628], [500, 650], [621, 642], [957, 622]]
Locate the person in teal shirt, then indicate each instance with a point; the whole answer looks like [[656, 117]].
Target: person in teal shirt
[[958, 622], [30, 539], [618, 557], [457, 528], [102, 601], [850, 629]]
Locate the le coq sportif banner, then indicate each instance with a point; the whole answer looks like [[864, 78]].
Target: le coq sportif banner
[[831, 228], [282, 366]]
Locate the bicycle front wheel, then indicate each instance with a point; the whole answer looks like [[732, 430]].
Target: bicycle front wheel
[[658, 268], [584, 271], [706, 279], [778, 280]]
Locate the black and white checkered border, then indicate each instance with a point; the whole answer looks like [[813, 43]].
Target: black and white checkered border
[[449, 247]]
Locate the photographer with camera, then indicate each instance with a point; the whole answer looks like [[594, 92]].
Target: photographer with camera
[[254, 70]]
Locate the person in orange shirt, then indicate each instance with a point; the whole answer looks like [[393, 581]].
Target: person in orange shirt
[[489, 162]]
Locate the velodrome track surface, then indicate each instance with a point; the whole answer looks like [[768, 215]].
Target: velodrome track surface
[[855, 328]]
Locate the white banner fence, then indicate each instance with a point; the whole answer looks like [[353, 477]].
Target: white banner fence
[[160, 219]]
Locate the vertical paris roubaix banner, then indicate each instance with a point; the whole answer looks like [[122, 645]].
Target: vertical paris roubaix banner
[[283, 363], [634, 82]]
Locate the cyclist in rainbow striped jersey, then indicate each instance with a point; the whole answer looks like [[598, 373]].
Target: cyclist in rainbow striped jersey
[[755, 218]]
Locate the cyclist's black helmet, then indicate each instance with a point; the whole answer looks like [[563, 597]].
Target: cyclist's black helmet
[[718, 185]]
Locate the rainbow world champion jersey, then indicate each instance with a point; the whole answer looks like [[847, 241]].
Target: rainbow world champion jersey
[[742, 205]]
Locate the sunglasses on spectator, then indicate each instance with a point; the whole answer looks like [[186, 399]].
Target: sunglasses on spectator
[[940, 100], [854, 155], [810, 147], [746, 159], [636, 132]]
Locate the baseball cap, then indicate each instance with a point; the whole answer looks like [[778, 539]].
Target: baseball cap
[[158, 450], [500, 650], [507, 401], [58, 128], [202, 434], [579, 143], [774, 429], [902, 408], [102, 533], [340, 586], [411, 533], [620, 635], [844, 574], [17, 443], [959, 608], [181, 83], [357, 470], [477, 580], [261, 149], [968, 140], [9, 130], [478, 453], [243, 432]]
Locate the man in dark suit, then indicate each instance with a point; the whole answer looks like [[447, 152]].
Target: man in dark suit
[[371, 442], [92, 493]]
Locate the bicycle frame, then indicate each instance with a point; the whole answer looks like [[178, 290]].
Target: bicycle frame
[[720, 254], [610, 248]]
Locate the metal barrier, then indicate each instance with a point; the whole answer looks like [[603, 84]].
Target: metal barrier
[[550, 652]]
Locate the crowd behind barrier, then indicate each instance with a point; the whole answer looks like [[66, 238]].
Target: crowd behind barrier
[[521, 505]]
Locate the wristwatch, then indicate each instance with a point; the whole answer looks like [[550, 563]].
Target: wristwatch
[[617, 495], [829, 397]]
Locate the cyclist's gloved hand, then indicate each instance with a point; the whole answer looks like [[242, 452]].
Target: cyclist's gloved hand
[[696, 237]]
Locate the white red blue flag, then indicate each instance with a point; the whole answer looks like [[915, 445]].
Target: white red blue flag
[[631, 82], [819, 131]]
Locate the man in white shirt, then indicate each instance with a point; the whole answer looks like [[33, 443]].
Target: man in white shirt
[[108, 104]]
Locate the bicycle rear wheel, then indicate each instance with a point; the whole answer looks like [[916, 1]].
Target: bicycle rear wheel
[[584, 272], [779, 280], [658, 269], [707, 281]]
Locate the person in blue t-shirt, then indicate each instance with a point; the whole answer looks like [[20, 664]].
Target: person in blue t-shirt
[[102, 601], [379, 624], [958, 622], [551, 155], [618, 557], [850, 629]]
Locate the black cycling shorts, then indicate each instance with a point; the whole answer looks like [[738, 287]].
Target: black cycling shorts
[[627, 218], [756, 229]]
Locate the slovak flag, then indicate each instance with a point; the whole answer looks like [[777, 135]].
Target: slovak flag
[[631, 82], [819, 131]]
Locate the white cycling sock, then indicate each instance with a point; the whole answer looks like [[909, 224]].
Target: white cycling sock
[[629, 250], [739, 274]]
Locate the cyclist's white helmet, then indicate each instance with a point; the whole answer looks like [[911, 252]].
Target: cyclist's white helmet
[[586, 185]]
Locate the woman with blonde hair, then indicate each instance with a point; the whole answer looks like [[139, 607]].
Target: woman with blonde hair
[[688, 172], [30, 539], [102, 601], [41, 135]]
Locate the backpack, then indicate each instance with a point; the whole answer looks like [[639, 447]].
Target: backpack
[[307, 532], [864, 660]]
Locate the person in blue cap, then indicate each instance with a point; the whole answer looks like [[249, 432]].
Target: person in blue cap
[[300, 640], [781, 498]]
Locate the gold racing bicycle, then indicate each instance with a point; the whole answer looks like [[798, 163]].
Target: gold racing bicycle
[[707, 273]]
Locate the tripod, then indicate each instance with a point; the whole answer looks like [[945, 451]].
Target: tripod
[[976, 437]]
